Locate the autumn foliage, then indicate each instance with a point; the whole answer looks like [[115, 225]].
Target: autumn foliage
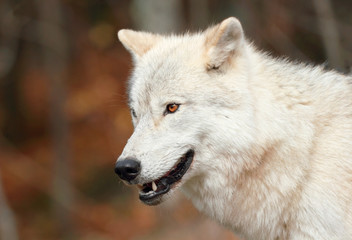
[[94, 114]]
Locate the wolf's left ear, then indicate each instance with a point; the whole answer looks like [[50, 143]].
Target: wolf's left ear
[[137, 43], [223, 41]]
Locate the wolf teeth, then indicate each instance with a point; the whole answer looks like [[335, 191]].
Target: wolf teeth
[[154, 187]]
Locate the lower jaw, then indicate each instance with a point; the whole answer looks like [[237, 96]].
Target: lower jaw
[[153, 201], [158, 198], [166, 184]]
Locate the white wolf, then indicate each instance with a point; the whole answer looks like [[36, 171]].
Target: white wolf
[[262, 145]]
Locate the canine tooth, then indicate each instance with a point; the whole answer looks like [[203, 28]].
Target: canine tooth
[[154, 187]]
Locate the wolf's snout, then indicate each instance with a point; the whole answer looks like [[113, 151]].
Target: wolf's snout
[[128, 169]]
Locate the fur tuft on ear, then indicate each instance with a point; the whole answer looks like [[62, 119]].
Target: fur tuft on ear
[[223, 41], [137, 43]]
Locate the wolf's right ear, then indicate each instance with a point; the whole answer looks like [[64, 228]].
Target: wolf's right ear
[[137, 43], [223, 41]]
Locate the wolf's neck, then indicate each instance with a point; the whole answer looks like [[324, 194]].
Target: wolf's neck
[[248, 200]]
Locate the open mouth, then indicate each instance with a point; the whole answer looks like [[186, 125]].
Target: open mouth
[[151, 192]]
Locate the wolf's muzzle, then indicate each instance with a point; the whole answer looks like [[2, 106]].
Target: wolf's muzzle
[[127, 169]]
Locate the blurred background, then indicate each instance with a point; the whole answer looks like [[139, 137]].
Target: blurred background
[[63, 112]]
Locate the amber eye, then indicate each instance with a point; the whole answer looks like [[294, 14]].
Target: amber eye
[[171, 108]]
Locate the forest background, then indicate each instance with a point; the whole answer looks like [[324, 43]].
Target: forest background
[[64, 117]]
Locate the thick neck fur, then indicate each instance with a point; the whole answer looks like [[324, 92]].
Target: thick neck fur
[[265, 198]]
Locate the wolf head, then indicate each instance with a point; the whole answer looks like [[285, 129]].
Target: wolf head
[[190, 106]]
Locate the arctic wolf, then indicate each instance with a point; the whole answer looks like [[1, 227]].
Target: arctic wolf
[[261, 145]]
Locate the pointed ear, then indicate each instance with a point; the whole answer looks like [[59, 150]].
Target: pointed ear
[[223, 41], [137, 43]]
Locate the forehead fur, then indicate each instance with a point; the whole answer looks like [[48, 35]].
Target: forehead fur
[[167, 67]]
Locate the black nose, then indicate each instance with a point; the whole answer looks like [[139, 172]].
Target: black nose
[[127, 169]]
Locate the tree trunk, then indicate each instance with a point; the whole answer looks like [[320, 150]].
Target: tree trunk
[[8, 226], [329, 33], [157, 15], [55, 54]]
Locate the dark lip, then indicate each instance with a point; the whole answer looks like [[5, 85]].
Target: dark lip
[[164, 184]]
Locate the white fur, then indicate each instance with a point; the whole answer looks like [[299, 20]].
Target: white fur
[[272, 139]]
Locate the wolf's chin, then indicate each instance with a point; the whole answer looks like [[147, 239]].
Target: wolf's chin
[[153, 193]]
